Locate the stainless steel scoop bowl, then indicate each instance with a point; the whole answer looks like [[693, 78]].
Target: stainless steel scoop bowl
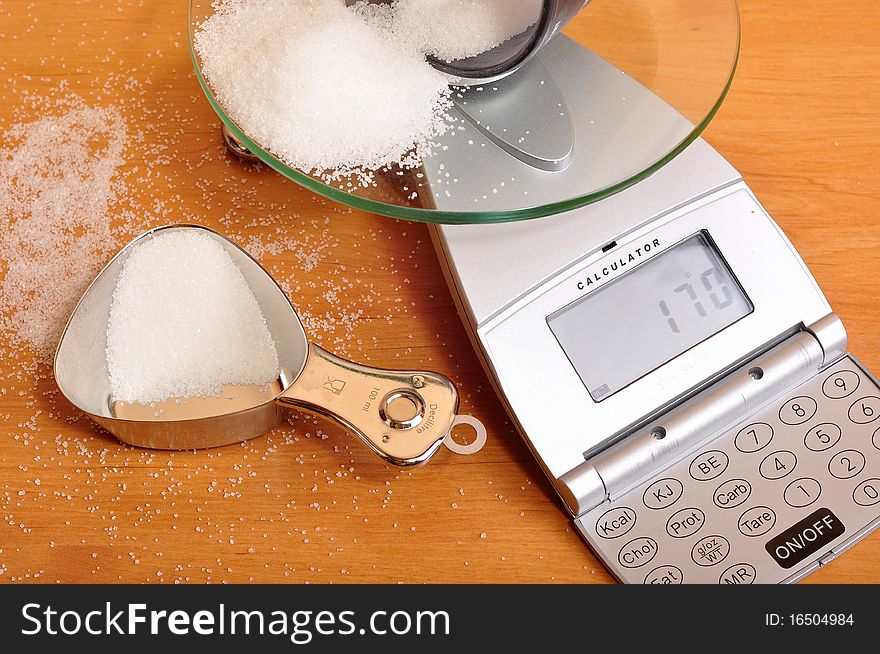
[[401, 415]]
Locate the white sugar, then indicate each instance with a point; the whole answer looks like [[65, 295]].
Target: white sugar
[[56, 189], [457, 29], [184, 322], [321, 87]]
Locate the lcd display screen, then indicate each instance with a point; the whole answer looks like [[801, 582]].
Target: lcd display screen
[[649, 315]]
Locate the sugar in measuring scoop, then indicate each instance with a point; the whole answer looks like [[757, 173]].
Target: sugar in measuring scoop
[[184, 323], [203, 349]]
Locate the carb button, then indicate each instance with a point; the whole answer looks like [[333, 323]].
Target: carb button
[[732, 493], [402, 409]]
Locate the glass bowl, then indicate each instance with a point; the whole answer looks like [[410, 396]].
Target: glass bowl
[[626, 86]]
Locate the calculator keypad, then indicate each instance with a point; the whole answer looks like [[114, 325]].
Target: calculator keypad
[[770, 497]]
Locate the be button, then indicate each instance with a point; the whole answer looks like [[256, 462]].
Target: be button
[[709, 465]]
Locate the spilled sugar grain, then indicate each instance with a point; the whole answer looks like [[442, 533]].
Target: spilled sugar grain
[[321, 88], [56, 185], [299, 504], [184, 322]]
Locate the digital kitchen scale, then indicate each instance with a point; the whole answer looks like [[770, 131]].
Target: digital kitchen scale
[[655, 337], [679, 375]]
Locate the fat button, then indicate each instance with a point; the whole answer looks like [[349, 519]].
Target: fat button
[[402, 409]]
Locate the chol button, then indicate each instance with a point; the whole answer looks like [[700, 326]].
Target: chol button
[[637, 552], [402, 409]]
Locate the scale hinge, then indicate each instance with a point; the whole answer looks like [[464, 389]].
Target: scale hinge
[[666, 438]]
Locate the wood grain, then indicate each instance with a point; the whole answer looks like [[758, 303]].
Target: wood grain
[[306, 503]]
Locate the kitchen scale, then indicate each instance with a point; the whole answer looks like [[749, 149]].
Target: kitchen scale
[[657, 340]]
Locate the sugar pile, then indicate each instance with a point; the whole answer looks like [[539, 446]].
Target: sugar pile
[[56, 184], [457, 29], [184, 322], [321, 87]]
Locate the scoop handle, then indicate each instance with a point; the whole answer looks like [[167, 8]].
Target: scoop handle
[[403, 416]]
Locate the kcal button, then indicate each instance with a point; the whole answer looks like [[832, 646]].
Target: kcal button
[[616, 522]]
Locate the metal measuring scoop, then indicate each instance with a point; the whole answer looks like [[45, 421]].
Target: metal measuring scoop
[[403, 416]]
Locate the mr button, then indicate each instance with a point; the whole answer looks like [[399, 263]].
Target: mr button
[[805, 538]]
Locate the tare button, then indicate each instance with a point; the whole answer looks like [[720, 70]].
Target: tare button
[[757, 521]]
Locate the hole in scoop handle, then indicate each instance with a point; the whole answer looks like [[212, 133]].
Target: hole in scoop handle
[[403, 416]]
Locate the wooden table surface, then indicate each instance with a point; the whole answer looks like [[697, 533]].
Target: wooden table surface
[[307, 502]]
